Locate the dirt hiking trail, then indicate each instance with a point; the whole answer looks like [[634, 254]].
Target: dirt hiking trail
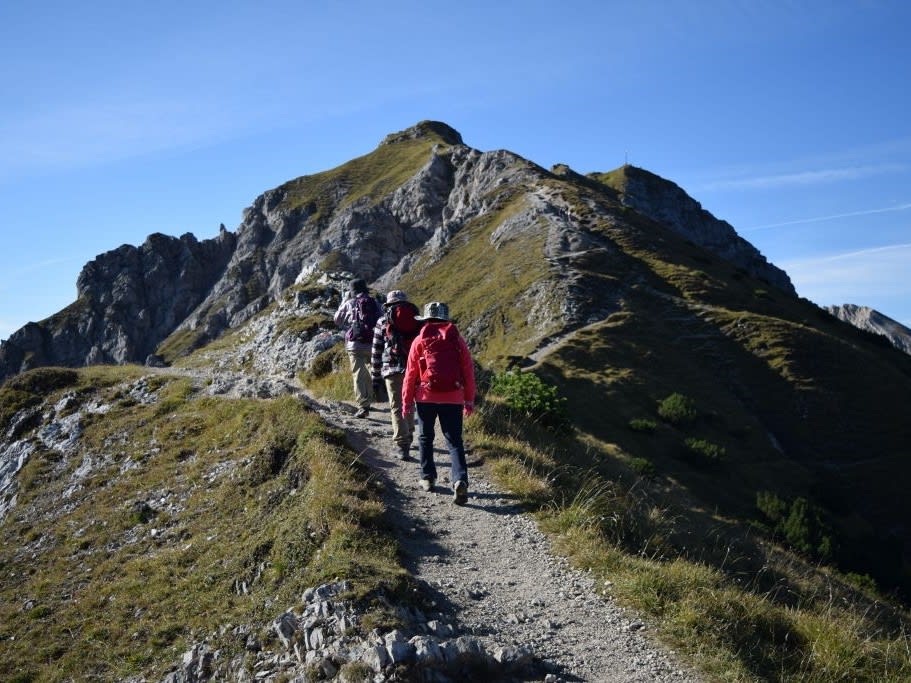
[[491, 571]]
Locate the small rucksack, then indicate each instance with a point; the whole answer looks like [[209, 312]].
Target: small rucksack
[[440, 366], [401, 330], [366, 313]]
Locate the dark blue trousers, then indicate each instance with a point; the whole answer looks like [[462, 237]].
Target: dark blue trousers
[[450, 417]]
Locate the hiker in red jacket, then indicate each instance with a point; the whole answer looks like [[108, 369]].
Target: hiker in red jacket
[[440, 379]]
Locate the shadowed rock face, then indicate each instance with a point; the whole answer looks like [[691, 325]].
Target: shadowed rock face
[[666, 203], [870, 320], [358, 220]]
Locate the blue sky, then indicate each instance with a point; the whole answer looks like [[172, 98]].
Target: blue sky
[[789, 119]]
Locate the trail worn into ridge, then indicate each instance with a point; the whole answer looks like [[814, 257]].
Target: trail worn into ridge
[[491, 571]]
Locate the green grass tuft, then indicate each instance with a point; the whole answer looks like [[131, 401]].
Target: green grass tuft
[[642, 425]]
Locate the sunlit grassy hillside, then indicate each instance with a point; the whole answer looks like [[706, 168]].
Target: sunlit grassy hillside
[[179, 514]]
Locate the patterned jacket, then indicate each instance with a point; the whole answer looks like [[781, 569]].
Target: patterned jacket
[[380, 363], [379, 369]]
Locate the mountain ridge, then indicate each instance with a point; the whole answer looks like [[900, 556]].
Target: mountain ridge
[[435, 183], [718, 431], [528, 257]]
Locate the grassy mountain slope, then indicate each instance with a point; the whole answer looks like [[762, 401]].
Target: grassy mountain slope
[[484, 282], [802, 405], [369, 177], [727, 438], [179, 514]]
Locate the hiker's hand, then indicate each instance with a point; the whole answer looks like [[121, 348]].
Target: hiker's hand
[[407, 412], [468, 409]]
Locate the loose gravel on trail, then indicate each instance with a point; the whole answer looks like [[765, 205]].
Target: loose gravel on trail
[[491, 571]]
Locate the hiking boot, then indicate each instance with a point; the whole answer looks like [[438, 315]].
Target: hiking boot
[[401, 452], [460, 497], [427, 484], [363, 412]]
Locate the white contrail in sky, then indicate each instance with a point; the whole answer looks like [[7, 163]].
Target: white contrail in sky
[[861, 252], [873, 276], [804, 178], [818, 219]]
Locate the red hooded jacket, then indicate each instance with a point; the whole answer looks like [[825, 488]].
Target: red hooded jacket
[[414, 391]]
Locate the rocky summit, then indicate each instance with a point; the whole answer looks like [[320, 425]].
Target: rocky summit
[[377, 215], [185, 494]]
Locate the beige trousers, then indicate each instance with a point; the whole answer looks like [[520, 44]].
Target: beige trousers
[[360, 377], [402, 430]]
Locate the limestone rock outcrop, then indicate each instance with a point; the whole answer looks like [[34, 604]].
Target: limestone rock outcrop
[[871, 320], [129, 300]]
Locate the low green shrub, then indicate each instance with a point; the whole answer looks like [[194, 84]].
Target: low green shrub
[[703, 450], [799, 523], [677, 409], [643, 425], [529, 395]]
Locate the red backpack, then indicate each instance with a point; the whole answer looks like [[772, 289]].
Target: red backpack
[[440, 366], [401, 330]]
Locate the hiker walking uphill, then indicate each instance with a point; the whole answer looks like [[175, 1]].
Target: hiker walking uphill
[[392, 338], [359, 313], [440, 379]]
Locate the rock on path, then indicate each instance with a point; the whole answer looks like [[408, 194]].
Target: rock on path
[[492, 572]]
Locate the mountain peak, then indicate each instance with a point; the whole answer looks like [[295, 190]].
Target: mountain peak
[[426, 130], [621, 178], [871, 320], [667, 203]]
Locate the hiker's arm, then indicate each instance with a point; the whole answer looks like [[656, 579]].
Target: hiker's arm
[[376, 351], [411, 378], [341, 315], [467, 372]]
